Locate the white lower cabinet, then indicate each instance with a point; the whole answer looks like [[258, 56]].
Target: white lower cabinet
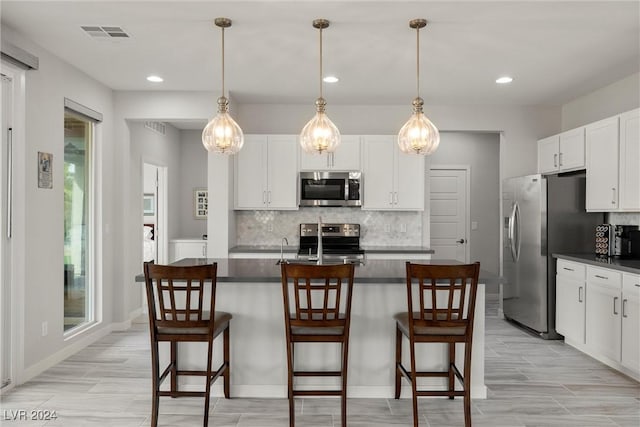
[[570, 301], [187, 248], [604, 304], [598, 312], [630, 355]]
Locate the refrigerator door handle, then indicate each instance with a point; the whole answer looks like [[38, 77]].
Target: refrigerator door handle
[[516, 229], [512, 232]]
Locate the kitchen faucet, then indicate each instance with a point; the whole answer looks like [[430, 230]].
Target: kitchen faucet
[[282, 243]]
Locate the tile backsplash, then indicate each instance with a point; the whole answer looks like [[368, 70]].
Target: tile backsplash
[[377, 228], [623, 218]]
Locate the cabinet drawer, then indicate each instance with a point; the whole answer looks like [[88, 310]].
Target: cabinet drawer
[[631, 284], [604, 276], [571, 270]]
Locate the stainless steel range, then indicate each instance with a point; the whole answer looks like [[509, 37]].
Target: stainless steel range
[[340, 243]]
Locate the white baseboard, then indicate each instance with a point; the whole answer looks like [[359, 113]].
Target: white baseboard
[[89, 338]]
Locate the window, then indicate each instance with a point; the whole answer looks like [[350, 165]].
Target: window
[[79, 281]]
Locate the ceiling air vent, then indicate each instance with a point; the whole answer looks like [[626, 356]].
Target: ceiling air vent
[[157, 127], [106, 32]]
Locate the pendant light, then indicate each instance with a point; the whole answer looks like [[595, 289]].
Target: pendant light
[[320, 134], [222, 134], [418, 135]]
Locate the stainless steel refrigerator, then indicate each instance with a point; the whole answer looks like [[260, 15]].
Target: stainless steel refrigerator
[[542, 215]]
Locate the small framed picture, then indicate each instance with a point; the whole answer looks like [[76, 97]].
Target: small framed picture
[[149, 204], [200, 203], [45, 170]]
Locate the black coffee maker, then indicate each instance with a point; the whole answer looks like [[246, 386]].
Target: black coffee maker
[[626, 244]]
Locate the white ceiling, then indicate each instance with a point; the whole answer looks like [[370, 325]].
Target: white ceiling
[[555, 51]]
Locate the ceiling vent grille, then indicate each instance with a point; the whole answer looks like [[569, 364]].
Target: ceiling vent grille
[[105, 32], [157, 127]]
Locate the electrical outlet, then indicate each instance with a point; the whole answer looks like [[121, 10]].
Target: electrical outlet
[[403, 228], [45, 328], [387, 228]]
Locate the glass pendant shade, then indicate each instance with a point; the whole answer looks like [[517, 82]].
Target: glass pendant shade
[[222, 134], [418, 135], [320, 135]]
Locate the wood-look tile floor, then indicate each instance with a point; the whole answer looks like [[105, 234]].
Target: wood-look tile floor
[[531, 382]]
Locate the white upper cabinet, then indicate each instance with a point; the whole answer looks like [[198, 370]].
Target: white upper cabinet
[[602, 139], [345, 158], [563, 152], [630, 161], [266, 173], [392, 180]]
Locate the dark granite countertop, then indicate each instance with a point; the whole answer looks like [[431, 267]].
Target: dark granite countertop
[[368, 249], [614, 263], [266, 270]]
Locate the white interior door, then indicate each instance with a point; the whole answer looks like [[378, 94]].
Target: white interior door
[[448, 214], [5, 221]]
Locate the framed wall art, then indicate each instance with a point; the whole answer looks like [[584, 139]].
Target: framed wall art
[[45, 170], [200, 203]]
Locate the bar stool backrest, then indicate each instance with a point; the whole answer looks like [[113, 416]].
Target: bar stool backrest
[[181, 297], [317, 295], [442, 296]]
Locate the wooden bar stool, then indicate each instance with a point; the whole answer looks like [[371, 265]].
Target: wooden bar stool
[[444, 297], [179, 312], [317, 308]]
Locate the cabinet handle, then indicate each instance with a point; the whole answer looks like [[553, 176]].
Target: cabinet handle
[[637, 285], [613, 200], [395, 198], [391, 197], [568, 269], [602, 277], [560, 158], [624, 308], [264, 197], [555, 160], [614, 305], [580, 294], [269, 196], [204, 251]]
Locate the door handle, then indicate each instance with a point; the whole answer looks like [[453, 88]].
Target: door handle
[[614, 305], [460, 241]]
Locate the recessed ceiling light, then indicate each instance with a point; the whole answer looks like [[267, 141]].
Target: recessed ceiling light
[[155, 79], [330, 79], [504, 79]]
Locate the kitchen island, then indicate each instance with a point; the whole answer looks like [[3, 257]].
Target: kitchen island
[[251, 290]]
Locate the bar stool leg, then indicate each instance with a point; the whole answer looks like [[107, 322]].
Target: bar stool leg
[[452, 361], [467, 384], [290, 363], [414, 383], [343, 396], [398, 361], [174, 368], [155, 402], [207, 384], [227, 370]]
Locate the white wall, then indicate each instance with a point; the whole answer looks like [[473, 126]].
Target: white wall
[[616, 98], [46, 89], [481, 151], [193, 174]]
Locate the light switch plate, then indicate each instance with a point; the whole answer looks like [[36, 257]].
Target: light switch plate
[[474, 225]]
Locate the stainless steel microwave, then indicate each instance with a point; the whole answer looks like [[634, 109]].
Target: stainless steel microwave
[[326, 188]]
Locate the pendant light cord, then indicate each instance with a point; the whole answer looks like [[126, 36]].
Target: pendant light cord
[[320, 80], [418, 61], [222, 61]]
